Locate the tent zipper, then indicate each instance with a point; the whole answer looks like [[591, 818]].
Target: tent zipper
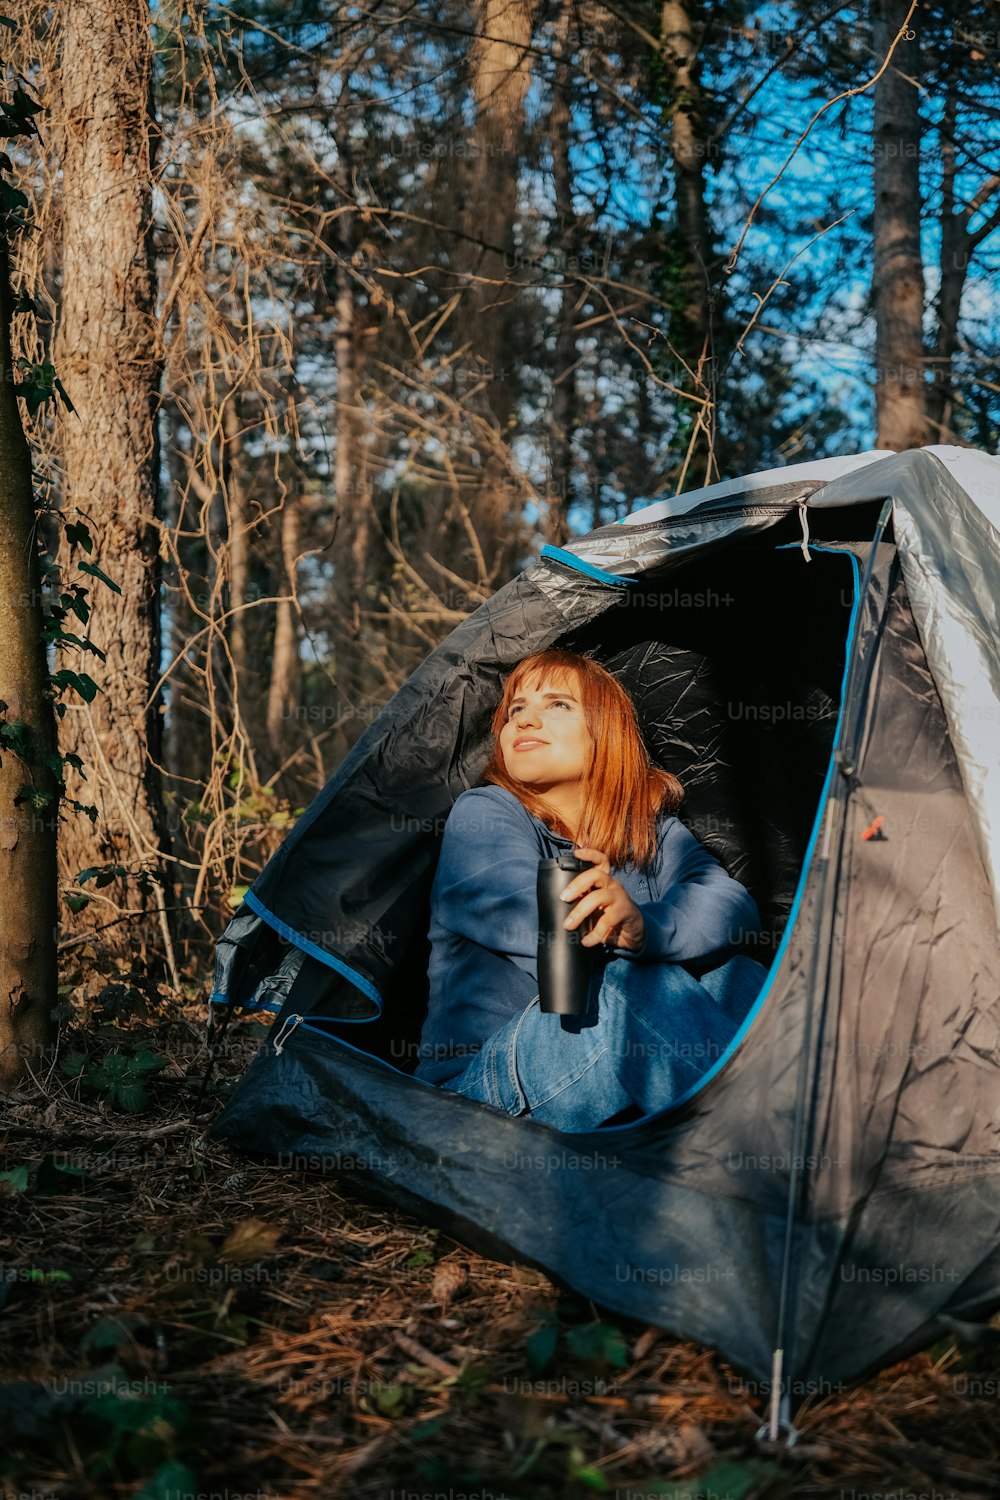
[[794, 495], [763, 507], [287, 1027]]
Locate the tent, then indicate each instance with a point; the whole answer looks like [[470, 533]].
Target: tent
[[815, 651]]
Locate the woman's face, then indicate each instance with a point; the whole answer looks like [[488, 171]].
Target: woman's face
[[545, 741]]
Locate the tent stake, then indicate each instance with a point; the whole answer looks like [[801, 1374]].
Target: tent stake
[[774, 1414], [779, 1416]]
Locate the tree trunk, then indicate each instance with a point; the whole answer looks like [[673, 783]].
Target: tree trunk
[[691, 331], [187, 748], [958, 246], [352, 510], [500, 77], [352, 518], [563, 413], [239, 555], [27, 833], [107, 355], [283, 695], [898, 278]]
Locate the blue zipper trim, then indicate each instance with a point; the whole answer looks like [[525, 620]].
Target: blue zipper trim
[[315, 951], [757, 1006], [559, 554], [217, 997], [369, 1056]]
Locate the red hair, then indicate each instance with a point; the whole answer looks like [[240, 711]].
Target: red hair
[[623, 792]]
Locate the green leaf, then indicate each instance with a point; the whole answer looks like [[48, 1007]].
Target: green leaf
[[84, 685], [132, 1095], [84, 807], [23, 106], [75, 902], [12, 196], [103, 874], [541, 1346], [585, 1473], [122, 1079], [393, 1400], [78, 535], [16, 1180], [135, 1414], [73, 1063], [68, 638], [107, 1333], [54, 617], [34, 797], [53, 1178], [170, 1480], [599, 1342], [95, 572], [419, 1258], [61, 392], [147, 1062], [428, 1429], [38, 389], [110, 1071], [14, 736], [471, 1382], [78, 604]]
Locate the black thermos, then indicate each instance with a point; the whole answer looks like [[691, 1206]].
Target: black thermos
[[565, 966]]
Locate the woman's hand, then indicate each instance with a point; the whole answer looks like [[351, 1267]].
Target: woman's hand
[[619, 921]]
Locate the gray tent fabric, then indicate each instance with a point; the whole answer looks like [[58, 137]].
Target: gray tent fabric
[[804, 649], [949, 547]]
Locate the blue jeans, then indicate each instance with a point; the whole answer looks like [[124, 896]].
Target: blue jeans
[[654, 1032]]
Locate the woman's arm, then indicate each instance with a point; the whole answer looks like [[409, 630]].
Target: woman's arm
[[485, 888], [701, 912]]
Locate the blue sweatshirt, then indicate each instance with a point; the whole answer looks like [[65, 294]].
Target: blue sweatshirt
[[484, 918]]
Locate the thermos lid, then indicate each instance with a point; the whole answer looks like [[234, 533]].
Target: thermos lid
[[565, 861]]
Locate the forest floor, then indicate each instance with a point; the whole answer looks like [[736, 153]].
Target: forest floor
[[180, 1323]]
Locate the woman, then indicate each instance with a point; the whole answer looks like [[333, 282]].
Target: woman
[[570, 770]]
